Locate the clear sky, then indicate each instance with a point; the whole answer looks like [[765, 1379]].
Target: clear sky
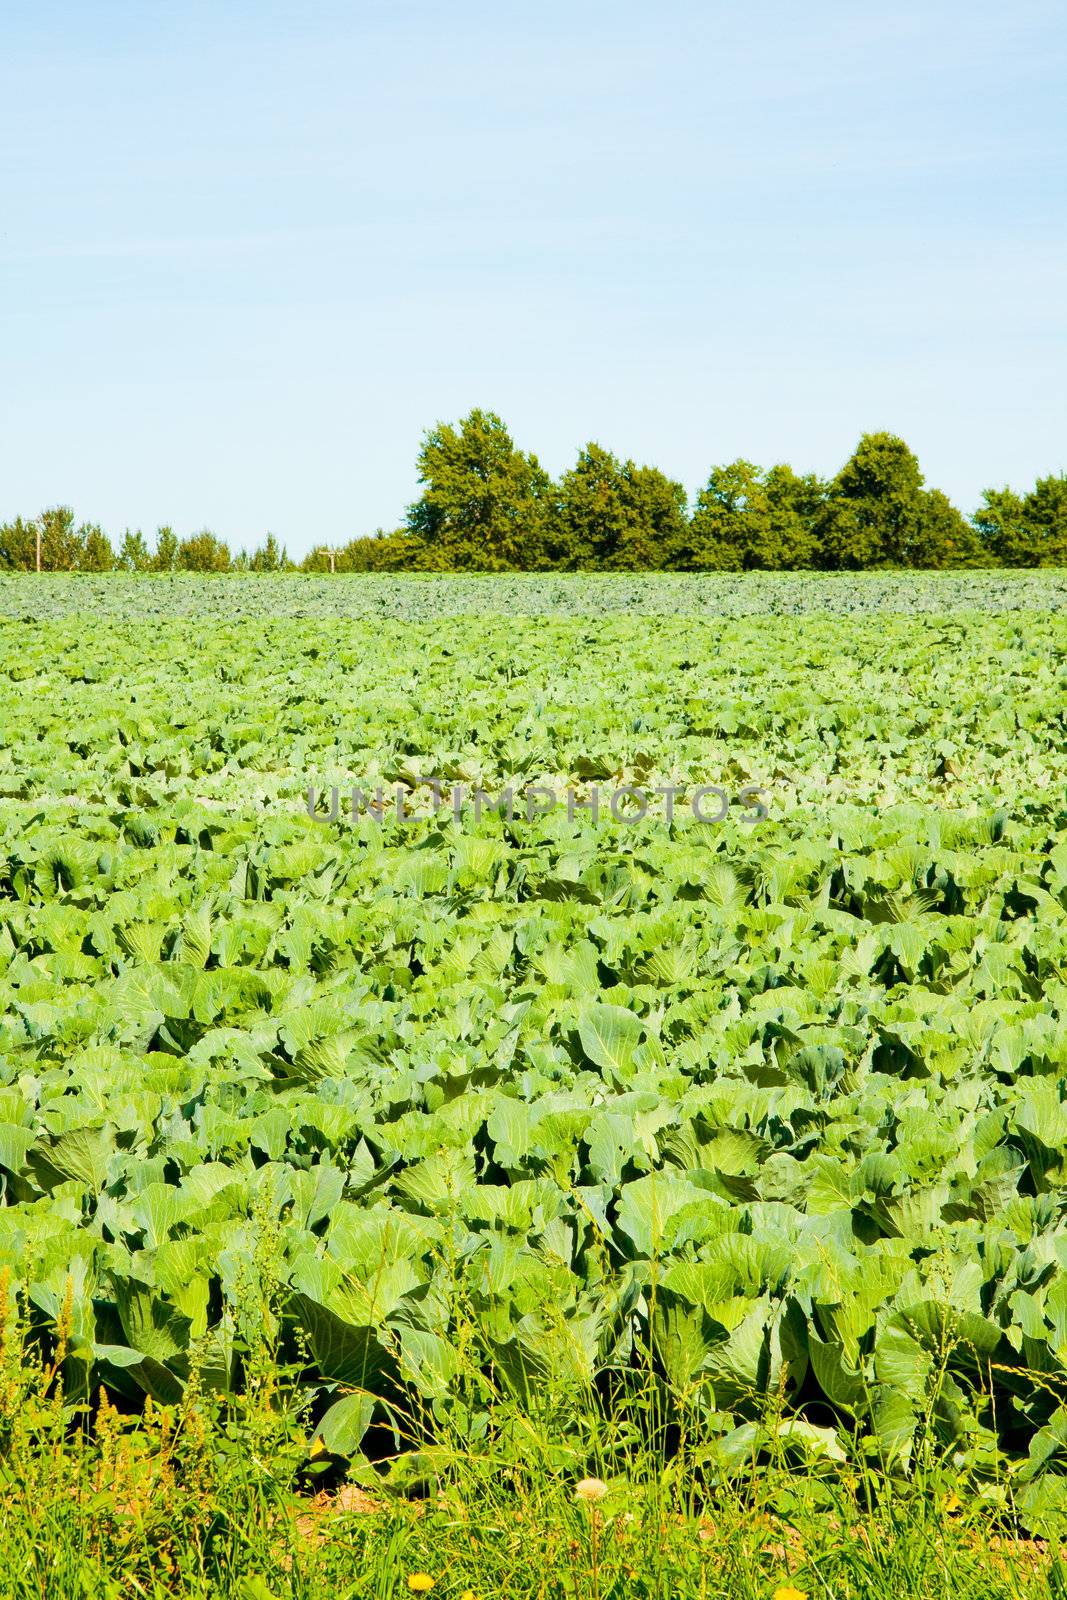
[[249, 252]]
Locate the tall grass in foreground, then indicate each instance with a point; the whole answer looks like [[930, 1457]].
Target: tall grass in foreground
[[229, 1497]]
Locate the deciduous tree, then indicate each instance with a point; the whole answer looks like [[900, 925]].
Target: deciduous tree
[[1026, 530], [18, 545], [270, 557], [166, 554], [613, 514], [484, 504], [750, 518], [134, 554], [878, 513], [203, 552], [96, 554]]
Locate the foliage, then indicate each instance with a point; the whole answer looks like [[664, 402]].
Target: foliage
[[62, 542], [134, 554], [317, 559], [1026, 530], [65, 546], [18, 545], [202, 552], [96, 554], [270, 557], [215, 1499], [427, 597], [166, 553], [878, 514], [746, 518], [450, 1116], [615, 515], [399, 551], [485, 504]]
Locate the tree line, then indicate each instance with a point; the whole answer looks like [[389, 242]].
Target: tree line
[[487, 506], [65, 546]]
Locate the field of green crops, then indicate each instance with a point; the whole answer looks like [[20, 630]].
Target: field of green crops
[[477, 1120]]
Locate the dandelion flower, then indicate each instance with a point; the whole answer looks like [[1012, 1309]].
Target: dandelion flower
[[419, 1582], [590, 1490], [789, 1593], [468, 1594]]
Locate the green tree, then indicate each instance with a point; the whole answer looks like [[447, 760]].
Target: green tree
[[878, 514], [316, 560], [202, 552], [62, 542], [749, 518], [1046, 516], [385, 552], [796, 501], [948, 539], [96, 554], [270, 557], [616, 515], [1025, 530], [65, 547], [134, 554], [18, 545], [485, 504], [1000, 526], [166, 555]]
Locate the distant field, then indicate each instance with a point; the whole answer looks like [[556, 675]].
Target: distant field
[[423, 598], [769, 1115]]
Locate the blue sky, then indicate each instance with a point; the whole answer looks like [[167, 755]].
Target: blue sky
[[249, 252]]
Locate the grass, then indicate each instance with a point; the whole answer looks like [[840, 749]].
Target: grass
[[229, 1496], [159, 1517]]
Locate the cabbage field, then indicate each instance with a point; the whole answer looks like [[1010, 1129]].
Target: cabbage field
[[472, 1111]]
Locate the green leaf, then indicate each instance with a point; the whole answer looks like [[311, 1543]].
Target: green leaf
[[609, 1037], [345, 1423]]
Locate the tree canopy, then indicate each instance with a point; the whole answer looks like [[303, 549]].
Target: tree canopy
[[613, 514], [485, 505], [748, 518], [1026, 530], [488, 506], [878, 513]]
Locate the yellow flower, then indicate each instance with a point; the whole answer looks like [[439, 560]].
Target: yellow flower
[[590, 1489], [789, 1593], [468, 1594], [419, 1582], [953, 1503]]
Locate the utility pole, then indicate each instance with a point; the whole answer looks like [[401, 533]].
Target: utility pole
[[333, 558], [38, 547]]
